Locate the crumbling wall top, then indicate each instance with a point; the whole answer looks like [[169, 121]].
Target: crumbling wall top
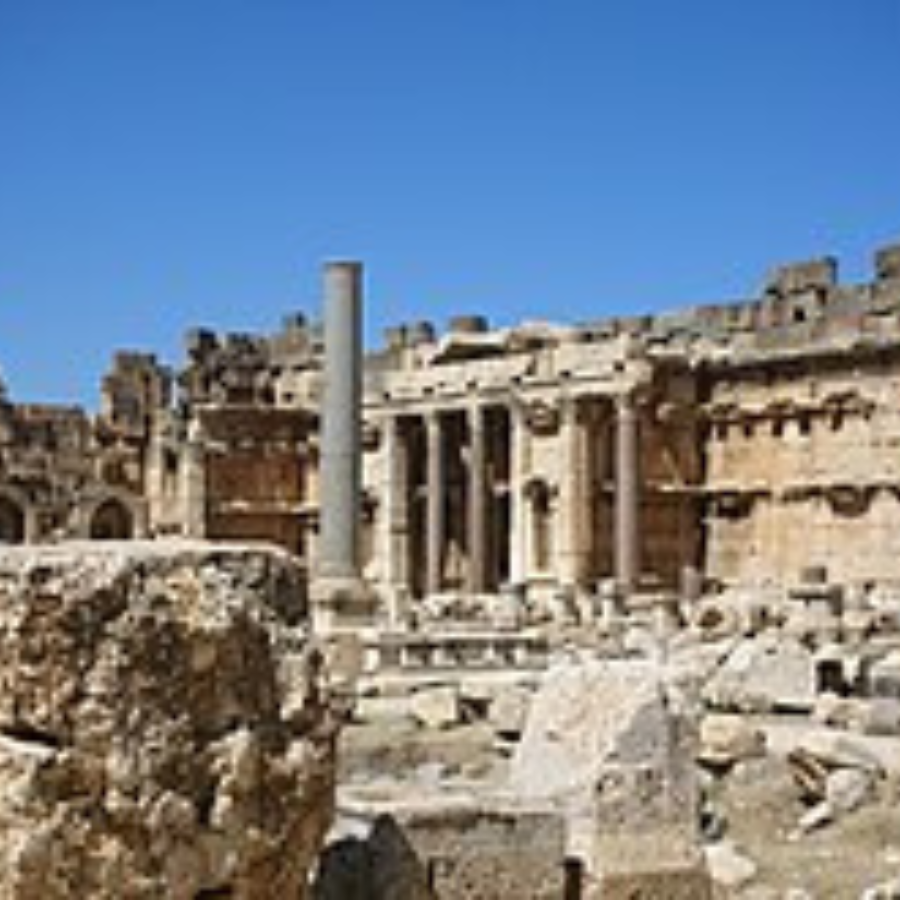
[[819, 274]]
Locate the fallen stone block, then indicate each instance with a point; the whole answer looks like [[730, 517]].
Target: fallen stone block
[[767, 673], [436, 707], [728, 739]]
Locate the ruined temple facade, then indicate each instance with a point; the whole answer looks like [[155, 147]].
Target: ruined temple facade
[[738, 443]]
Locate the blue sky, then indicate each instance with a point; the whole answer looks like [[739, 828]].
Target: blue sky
[[166, 164]]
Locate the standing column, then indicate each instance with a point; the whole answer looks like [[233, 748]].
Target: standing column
[[627, 537], [434, 517], [192, 488], [518, 472], [395, 516], [477, 502], [341, 444], [573, 501]]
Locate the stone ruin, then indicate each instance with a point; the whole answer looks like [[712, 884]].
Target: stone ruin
[[165, 724], [732, 444], [690, 518]]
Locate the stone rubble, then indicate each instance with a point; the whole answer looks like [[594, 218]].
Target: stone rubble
[[165, 726]]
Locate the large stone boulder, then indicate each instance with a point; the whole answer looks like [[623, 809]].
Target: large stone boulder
[[164, 726], [606, 745], [591, 722], [769, 672]]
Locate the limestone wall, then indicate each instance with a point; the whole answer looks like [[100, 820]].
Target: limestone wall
[[803, 469]]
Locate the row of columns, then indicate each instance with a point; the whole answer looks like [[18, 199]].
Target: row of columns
[[573, 524]]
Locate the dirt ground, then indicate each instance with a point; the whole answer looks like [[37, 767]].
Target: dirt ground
[[761, 807]]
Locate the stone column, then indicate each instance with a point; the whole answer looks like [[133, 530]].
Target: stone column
[[477, 502], [341, 444], [627, 560], [519, 563], [573, 500], [434, 517], [394, 549], [192, 486]]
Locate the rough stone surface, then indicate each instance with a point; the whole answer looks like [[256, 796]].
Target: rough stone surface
[[164, 726], [650, 866], [770, 672], [588, 719], [415, 844], [508, 711], [435, 707], [604, 744], [728, 866], [727, 739]]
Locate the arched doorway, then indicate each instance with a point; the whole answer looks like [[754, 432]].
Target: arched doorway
[[112, 521], [12, 522]]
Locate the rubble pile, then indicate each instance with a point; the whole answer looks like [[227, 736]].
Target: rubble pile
[[165, 728]]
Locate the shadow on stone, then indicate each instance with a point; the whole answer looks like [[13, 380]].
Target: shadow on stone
[[383, 866]]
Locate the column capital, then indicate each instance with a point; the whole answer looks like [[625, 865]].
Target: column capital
[[625, 403]]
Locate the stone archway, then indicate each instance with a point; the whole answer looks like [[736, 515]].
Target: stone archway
[[12, 522], [112, 520]]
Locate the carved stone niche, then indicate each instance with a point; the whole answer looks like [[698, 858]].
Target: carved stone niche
[[543, 418]]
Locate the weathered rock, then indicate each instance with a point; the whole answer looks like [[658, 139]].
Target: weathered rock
[[164, 730], [650, 866], [465, 846], [435, 707], [381, 709], [590, 719], [603, 743], [834, 750], [844, 791], [848, 789], [877, 716], [769, 672], [884, 676], [727, 739], [831, 709], [886, 890], [509, 710], [728, 866]]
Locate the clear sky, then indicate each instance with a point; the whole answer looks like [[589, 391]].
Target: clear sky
[[166, 164]]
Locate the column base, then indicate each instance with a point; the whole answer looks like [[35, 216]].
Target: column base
[[341, 603]]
